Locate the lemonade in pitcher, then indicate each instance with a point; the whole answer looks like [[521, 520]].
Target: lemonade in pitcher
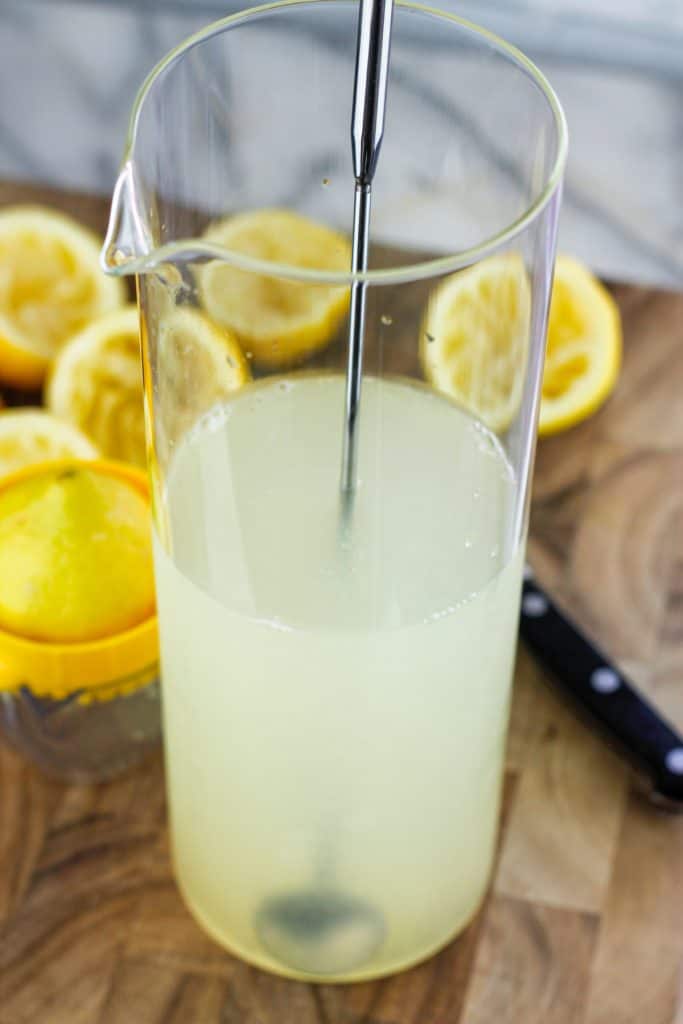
[[336, 694]]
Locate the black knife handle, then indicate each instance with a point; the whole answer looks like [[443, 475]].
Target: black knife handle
[[651, 743]]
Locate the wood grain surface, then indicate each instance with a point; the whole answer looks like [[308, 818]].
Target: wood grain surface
[[584, 920]]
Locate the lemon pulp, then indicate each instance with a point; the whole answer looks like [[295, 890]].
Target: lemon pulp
[[277, 321], [28, 436], [51, 285], [475, 338]]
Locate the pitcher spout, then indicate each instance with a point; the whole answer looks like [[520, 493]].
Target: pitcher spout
[[128, 243]]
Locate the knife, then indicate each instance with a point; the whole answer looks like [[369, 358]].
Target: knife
[[584, 672]]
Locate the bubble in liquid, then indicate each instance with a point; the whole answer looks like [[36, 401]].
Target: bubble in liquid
[[386, 320], [486, 445], [430, 337], [249, 355], [468, 543], [326, 181]]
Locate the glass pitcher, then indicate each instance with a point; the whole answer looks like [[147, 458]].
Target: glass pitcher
[[336, 683]]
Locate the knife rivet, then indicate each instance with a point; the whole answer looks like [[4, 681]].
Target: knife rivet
[[534, 605], [674, 760], [605, 680]]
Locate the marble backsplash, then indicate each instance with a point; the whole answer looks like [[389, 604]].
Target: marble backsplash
[[69, 72]]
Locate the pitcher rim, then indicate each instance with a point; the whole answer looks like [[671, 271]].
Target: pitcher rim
[[426, 268]]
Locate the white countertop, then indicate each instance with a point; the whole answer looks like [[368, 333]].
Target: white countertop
[[69, 72]]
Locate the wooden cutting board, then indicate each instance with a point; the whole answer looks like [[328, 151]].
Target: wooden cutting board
[[584, 921]]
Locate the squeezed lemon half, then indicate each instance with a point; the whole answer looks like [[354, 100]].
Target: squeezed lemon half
[[96, 381], [199, 362], [30, 435], [475, 338], [51, 285], [277, 321], [583, 353], [96, 385]]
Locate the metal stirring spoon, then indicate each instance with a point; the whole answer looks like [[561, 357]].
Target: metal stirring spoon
[[367, 129], [321, 929]]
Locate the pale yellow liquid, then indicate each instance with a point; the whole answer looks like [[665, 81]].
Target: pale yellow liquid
[[336, 693]]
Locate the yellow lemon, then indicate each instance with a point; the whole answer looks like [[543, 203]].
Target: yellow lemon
[[96, 381], [277, 321], [475, 338], [75, 554], [28, 436], [198, 365], [51, 285], [96, 385], [583, 353]]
